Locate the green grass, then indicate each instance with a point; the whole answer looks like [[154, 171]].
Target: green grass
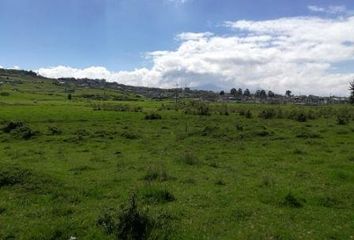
[[217, 175]]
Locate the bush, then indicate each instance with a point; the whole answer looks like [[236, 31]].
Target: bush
[[268, 113], [13, 176], [155, 196], [291, 201], [20, 130], [245, 113], [343, 118], [197, 108], [129, 135], [129, 224], [54, 131], [12, 126], [156, 174], [4, 94], [153, 116]]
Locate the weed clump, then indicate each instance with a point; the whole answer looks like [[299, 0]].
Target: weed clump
[[268, 113], [20, 130], [132, 223], [246, 113], [153, 116], [129, 224], [13, 176], [10, 126], [156, 196], [343, 118], [54, 131], [291, 201], [129, 135], [156, 174]]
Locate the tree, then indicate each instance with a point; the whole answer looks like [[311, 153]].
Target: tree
[[233, 91], [222, 93], [247, 93], [271, 94], [263, 94], [351, 88], [239, 92], [288, 93], [258, 93]]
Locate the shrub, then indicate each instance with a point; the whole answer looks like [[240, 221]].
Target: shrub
[[156, 174], [197, 108], [12, 126], [19, 129], [291, 201], [301, 117], [13, 176], [4, 94], [54, 131], [245, 113], [129, 135], [153, 116], [25, 132], [268, 113], [343, 118], [307, 133], [155, 196], [129, 224]]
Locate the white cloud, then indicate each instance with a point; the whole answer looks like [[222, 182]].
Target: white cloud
[[297, 53], [177, 2], [333, 9]]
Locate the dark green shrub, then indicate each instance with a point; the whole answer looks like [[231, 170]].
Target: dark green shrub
[[156, 174], [129, 135], [132, 223], [129, 224], [268, 113], [343, 118], [13, 176], [153, 195], [291, 201], [4, 94], [54, 131], [10, 126], [153, 116], [24, 132]]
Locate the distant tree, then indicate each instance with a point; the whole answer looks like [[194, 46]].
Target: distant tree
[[247, 93], [288, 93], [271, 94], [222, 93], [351, 88], [69, 96], [258, 93], [239, 92], [233, 91], [263, 94]]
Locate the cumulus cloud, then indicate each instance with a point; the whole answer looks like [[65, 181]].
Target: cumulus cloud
[[297, 53]]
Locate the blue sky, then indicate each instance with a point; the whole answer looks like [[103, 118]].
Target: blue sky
[[117, 34]]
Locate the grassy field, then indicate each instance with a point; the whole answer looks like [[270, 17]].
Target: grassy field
[[217, 171]]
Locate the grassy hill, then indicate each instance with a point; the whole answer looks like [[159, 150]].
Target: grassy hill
[[77, 167]]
